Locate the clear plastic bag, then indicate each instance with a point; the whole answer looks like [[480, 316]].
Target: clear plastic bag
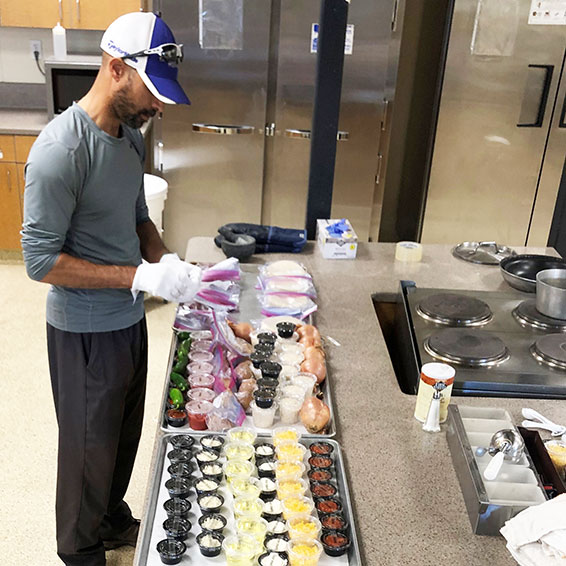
[[284, 267], [226, 270], [288, 284], [226, 414], [289, 304], [219, 295]]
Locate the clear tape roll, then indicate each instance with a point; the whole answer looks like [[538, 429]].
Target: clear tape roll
[[408, 251]]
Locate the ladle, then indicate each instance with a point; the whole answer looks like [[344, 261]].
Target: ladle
[[506, 444]]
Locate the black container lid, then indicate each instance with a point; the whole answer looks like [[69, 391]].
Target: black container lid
[[178, 486], [182, 441], [177, 506], [179, 455], [219, 440], [267, 337], [257, 358], [208, 516], [267, 383], [180, 470], [270, 369], [264, 348], [264, 398], [171, 549], [285, 329], [176, 527]]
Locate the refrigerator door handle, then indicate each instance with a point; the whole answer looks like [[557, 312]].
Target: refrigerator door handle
[[306, 134], [222, 130], [548, 72]]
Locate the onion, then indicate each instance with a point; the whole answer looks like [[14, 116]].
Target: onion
[[242, 330], [316, 366], [307, 341], [315, 352], [308, 330], [314, 414], [244, 370]]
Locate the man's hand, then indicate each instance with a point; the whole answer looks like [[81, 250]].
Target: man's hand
[[172, 279]]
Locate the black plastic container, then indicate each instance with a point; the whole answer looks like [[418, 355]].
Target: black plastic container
[[271, 516], [319, 474], [176, 417], [179, 455], [264, 348], [264, 450], [334, 522], [321, 448], [212, 471], [257, 358], [183, 441], [270, 369], [272, 542], [264, 398], [210, 509], [265, 467], [177, 528], [328, 506], [206, 456], [285, 329], [267, 383], [204, 519], [202, 490], [171, 551], [177, 507], [266, 338], [181, 470], [321, 462], [335, 543], [323, 490], [263, 559], [178, 487], [212, 442], [213, 550]]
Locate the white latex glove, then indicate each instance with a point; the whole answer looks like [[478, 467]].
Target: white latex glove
[[166, 258], [174, 281], [194, 273]]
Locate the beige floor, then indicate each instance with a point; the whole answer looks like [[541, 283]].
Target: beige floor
[[28, 430]]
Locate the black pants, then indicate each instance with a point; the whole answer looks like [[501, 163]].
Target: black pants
[[99, 382]]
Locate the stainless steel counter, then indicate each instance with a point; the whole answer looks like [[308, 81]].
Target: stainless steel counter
[[406, 496]]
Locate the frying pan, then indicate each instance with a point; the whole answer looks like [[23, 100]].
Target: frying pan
[[520, 271]]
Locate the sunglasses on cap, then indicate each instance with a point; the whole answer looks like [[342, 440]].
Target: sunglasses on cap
[[171, 53]]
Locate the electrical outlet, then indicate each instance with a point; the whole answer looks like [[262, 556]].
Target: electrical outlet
[[35, 45]]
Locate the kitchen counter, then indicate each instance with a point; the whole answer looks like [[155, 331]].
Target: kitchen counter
[[408, 504], [22, 122]]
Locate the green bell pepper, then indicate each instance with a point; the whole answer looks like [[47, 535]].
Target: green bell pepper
[[176, 398], [179, 381]]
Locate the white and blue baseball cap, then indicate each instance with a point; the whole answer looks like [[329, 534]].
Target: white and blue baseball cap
[[146, 43]]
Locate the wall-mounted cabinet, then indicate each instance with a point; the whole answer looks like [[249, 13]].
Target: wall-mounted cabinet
[[13, 155], [72, 14]]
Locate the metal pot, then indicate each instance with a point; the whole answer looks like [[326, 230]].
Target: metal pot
[[551, 293]]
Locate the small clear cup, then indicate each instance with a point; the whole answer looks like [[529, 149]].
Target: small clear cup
[[289, 470], [241, 434], [248, 506], [238, 469], [290, 451], [304, 553], [240, 550], [304, 528], [239, 451], [296, 506], [289, 488], [285, 433]]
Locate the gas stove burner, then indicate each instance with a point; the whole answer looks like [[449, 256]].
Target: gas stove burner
[[550, 350], [526, 314], [467, 347], [454, 310]]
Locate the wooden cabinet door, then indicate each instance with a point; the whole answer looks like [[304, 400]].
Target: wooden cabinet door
[[23, 145], [99, 14], [7, 148], [10, 212], [31, 13]]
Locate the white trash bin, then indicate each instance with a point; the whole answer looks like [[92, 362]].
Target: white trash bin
[[155, 196]]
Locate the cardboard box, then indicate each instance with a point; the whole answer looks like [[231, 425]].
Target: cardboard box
[[336, 246]]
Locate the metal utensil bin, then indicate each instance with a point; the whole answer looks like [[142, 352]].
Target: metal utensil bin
[[489, 503]]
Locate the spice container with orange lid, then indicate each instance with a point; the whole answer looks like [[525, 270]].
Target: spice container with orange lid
[[431, 374]]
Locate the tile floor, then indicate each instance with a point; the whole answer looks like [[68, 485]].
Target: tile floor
[[28, 429]]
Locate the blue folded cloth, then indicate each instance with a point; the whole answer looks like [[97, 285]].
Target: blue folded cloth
[[269, 239]]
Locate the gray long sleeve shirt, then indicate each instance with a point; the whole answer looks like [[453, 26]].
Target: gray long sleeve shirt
[[84, 197]]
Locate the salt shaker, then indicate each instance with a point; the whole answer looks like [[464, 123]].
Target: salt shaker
[[431, 374]]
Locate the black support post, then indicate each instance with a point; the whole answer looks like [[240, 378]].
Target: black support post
[[329, 67]]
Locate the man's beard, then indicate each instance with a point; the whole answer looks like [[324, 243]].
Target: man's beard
[[127, 113]]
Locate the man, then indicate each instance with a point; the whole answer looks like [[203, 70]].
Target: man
[[86, 229]]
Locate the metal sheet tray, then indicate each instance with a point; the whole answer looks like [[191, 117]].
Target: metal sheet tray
[[249, 310], [152, 530]]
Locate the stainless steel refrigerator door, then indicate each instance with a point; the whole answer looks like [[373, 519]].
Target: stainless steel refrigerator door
[[485, 167], [213, 150], [288, 151], [551, 172]]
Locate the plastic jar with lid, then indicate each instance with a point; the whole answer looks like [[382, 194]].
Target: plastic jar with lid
[[431, 374]]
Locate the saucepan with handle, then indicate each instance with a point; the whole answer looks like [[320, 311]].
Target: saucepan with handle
[[520, 271], [551, 293]]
